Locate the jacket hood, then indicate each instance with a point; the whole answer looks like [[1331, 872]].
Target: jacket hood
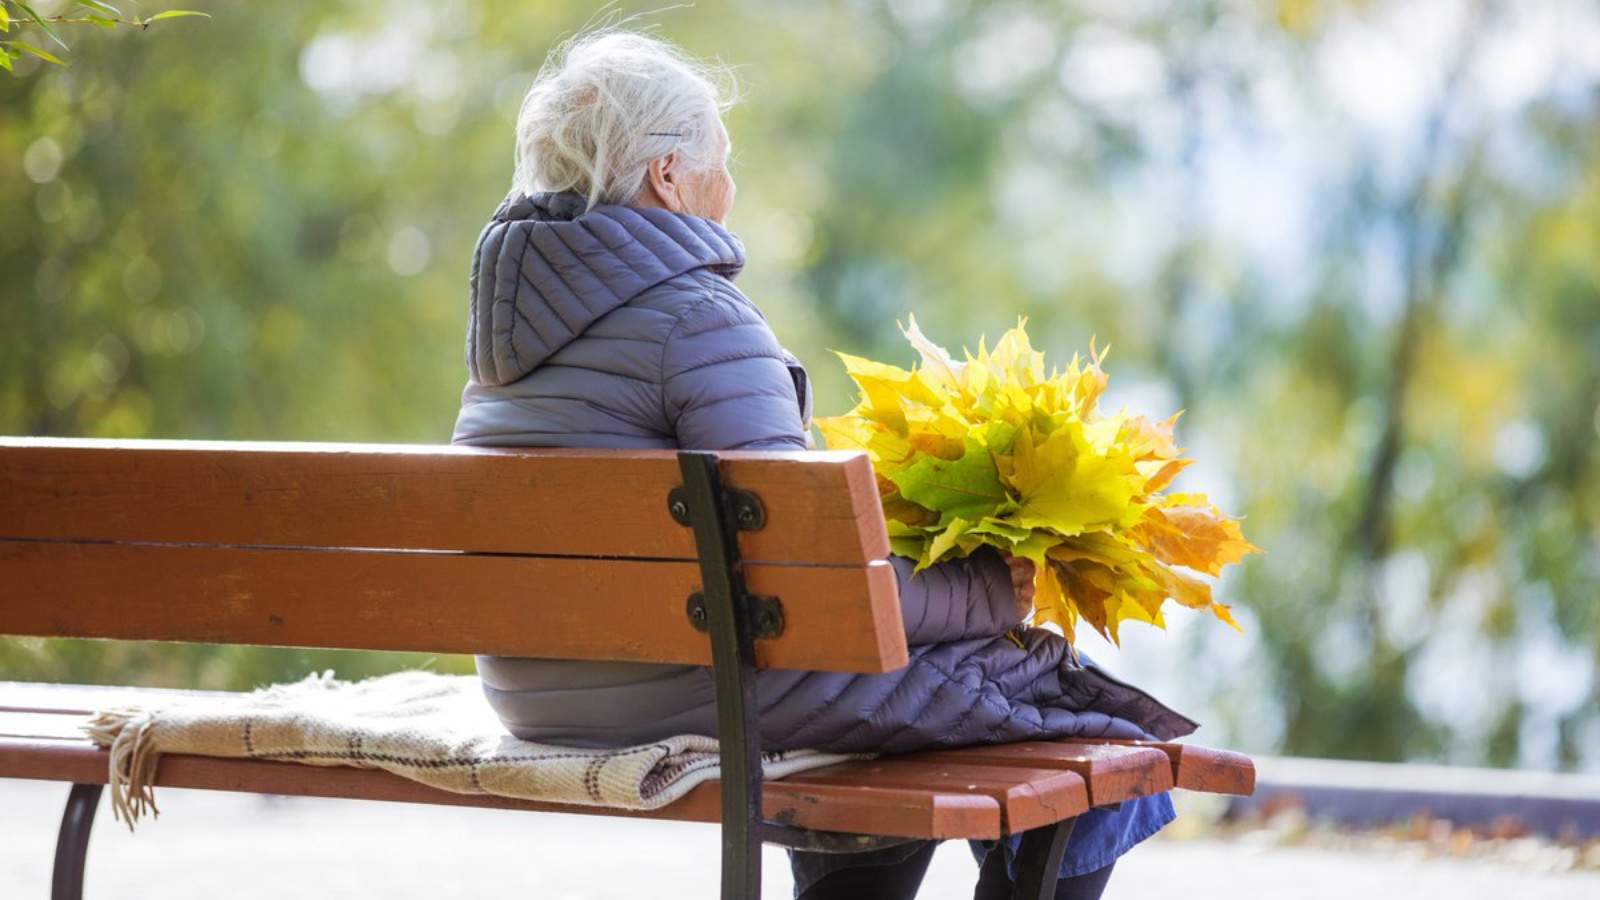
[[545, 270]]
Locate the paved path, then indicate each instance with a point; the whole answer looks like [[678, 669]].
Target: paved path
[[209, 845]]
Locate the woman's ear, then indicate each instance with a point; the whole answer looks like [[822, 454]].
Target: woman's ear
[[661, 179]]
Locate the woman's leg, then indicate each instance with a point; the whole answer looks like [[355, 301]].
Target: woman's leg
[[995, 884], [888, 881], [1088, 886]]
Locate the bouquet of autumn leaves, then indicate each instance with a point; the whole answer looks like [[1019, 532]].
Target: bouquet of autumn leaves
[[996, 451]]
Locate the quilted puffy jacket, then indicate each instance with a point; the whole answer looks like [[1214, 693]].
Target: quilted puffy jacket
[[620, 327]]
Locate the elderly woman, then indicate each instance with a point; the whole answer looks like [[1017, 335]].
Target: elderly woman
[[603, 314]]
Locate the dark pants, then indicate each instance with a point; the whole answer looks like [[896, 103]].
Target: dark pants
[[899, 881]]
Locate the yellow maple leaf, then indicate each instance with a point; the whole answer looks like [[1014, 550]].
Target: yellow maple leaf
[[1065, 485], [1199, 537]]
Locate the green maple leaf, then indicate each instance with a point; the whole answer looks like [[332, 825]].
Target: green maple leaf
[[965, 488]]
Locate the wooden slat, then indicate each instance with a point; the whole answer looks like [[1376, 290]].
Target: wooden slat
[[859, 491], [1212, 771], [871, 809], [1028, 798], [822, 507], [1111, 772], [1206, 769], [444, 603]]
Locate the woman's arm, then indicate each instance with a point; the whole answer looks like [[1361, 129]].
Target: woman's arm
[[725, 382], [958, 599]]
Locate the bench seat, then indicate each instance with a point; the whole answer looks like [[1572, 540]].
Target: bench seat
[[975, 792]]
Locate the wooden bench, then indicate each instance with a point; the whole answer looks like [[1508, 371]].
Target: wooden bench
[[739, 560]]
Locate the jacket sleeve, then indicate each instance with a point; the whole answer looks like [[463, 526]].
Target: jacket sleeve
[[726, 385], [957, 599]]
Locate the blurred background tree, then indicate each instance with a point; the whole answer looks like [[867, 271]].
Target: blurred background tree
[[1358, 241]]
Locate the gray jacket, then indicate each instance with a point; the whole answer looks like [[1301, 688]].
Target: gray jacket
[[620, 327]]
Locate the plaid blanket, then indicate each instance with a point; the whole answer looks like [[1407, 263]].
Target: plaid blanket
[[431, 728]]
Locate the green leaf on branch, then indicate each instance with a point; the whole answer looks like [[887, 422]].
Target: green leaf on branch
[[43, 25], [45, 55], [173, 14]]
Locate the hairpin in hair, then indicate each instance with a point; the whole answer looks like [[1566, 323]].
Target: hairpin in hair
[[664, 134]]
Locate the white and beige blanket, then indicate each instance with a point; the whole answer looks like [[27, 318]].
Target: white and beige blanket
[[431, 728]]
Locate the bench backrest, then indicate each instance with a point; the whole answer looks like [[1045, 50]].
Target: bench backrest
[[545, 553]]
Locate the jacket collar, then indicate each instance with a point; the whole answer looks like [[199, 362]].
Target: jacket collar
[[559, 268]]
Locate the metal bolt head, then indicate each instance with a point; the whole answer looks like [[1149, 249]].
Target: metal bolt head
[[698, 614], [747, 516], [679, 510]]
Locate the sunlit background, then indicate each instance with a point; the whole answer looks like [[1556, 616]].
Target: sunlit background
[[1357, 241]]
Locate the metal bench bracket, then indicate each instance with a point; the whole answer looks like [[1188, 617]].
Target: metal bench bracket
[[743, 507], [765, 614]]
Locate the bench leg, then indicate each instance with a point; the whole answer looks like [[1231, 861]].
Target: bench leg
[[72, 846], [1039, 861], [733, 670]]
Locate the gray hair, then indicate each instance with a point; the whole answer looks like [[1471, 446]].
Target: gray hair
[[605, 105]]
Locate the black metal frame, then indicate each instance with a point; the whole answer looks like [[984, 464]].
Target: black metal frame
[[72, 844], [732, 667], [1039, 861]]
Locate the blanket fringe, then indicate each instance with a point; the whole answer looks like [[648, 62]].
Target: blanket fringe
[[132, 775]]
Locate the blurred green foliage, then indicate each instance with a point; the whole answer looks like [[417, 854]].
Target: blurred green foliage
[[1358, 242], [46, 27]]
